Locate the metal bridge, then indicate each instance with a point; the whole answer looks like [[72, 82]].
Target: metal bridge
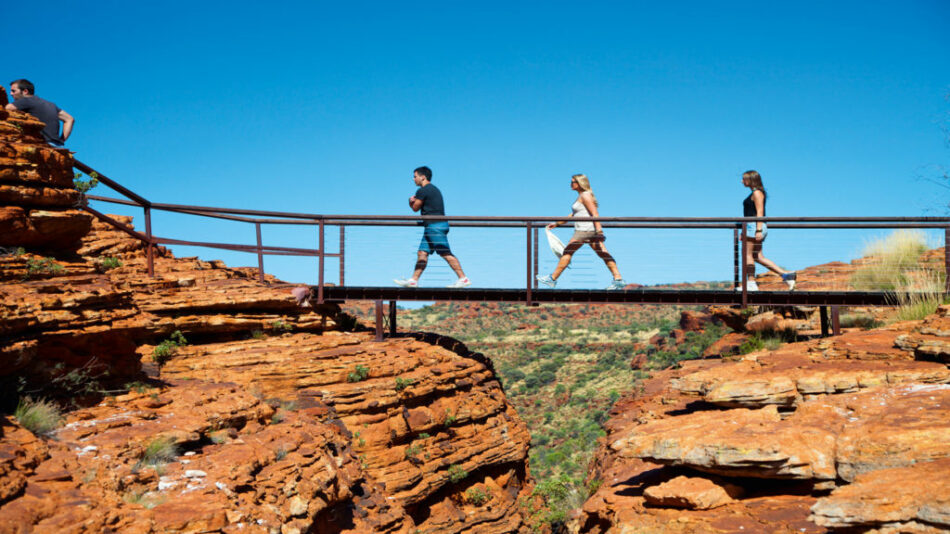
[[336, 290]]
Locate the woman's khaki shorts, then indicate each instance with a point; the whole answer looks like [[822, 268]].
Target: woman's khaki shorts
[[585, 237]]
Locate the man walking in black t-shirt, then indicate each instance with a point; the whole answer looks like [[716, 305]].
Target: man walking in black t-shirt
[[428, 199], [47, 112]]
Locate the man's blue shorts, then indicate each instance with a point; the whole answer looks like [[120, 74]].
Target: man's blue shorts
[[435, 239]]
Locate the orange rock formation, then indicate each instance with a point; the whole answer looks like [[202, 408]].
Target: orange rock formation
[[841, 433], [272, 417]]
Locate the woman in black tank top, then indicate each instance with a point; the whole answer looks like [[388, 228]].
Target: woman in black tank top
[[754, 206]]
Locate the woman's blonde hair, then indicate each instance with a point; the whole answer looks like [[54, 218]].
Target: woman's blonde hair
[[584, 183]]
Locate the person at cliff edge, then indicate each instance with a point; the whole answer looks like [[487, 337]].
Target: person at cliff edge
[[428, 200], [47, 112]]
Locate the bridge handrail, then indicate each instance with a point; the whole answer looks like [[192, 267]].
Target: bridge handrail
[[313, 218], [531, 223]]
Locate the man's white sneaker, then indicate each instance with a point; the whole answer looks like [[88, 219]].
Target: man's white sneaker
[[461, 282], [546, 280], [406, 282], [749, 286]]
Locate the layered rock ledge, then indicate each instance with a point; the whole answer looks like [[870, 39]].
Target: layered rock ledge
[[811, 437]]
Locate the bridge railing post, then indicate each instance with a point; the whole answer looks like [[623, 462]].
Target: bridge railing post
[[150, 248], [320, 261], [260, 254], [946, 259], [342, 249], [534, 273], [735, 257], [528, 250], [744, 276]]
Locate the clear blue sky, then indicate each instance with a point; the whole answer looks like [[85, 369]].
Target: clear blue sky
[[327, 107]]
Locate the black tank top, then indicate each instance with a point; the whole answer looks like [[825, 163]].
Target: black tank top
[[748, 205]]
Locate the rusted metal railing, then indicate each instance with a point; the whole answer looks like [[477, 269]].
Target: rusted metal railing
[[531, 225]]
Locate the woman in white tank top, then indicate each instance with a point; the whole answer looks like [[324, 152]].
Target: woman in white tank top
[[589, 232]]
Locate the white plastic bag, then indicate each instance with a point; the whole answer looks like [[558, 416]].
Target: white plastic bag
[[557, 246]]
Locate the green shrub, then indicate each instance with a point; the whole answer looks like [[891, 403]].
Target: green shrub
[[413, 450], [41, 417], [477, 496], [46, 266], [109, 263], [280, 327], [83, 186], [754, 343], [403, 383], [457, 473], [166, 349], [360, 374]]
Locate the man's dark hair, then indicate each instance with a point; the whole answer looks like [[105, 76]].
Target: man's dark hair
[[25, 85], [424, 171]]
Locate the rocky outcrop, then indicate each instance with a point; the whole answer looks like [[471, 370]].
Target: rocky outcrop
[[785, 427], [891, 500], [199, 458], [271, 416], [37, 198], [429, 423]]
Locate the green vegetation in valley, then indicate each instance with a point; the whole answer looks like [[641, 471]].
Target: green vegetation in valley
[[563, 367]]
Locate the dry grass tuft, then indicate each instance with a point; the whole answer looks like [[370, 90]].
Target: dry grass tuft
[[40, 417]]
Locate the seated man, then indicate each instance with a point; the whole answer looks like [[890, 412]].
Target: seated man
[[47, 112]]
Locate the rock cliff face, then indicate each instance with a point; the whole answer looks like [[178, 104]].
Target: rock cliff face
[[850, 433], [37, 199], [270, 418]]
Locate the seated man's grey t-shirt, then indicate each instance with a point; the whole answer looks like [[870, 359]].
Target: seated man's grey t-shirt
[[47, 112]]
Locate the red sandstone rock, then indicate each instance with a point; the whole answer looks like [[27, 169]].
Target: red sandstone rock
[[905, 499], [693, 493], [851, 406], [727, 345], [692, 321]]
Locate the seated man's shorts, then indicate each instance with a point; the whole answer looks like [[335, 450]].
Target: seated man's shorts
[[435, 239]]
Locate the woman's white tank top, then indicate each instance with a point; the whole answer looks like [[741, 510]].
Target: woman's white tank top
[[581, 211]]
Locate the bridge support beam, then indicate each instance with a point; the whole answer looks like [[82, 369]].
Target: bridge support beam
[[834, 325], [379, 320], [392, 318]]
